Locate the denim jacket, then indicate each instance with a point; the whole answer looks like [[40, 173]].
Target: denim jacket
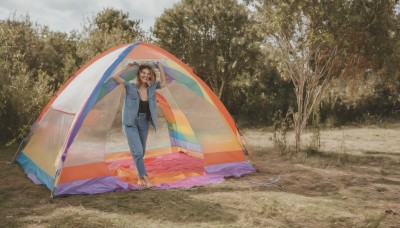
[[131, 103]]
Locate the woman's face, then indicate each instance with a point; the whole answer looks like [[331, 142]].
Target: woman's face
[[145, 75]]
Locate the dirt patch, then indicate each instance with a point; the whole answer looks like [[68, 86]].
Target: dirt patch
[[355, 187]]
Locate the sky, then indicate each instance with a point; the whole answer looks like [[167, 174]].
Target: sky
[[68, 15]]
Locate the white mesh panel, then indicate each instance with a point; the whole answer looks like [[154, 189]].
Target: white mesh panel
[[48, 140], [73, 98], [90, 142]]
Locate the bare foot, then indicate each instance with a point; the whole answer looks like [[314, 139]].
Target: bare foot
[[147, 182], [141, 183]]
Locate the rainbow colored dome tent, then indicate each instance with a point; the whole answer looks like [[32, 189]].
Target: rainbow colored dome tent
[[76, 145]]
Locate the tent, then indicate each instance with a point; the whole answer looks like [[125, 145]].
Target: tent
[[76, 146]]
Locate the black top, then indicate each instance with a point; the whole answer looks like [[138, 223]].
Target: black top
[[144, 107]]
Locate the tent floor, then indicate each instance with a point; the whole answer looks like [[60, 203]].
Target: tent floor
[[162, 169]]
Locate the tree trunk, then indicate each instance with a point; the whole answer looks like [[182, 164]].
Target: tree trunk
[[298, 138]]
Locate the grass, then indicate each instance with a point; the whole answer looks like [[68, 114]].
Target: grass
[[316, 188]]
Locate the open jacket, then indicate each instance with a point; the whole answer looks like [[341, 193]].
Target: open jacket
[[131, 103]]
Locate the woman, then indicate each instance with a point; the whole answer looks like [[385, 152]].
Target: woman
[[138, 111]]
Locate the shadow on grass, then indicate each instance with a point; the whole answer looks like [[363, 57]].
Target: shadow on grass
[[311, 156], [172, 205], [382, 153]]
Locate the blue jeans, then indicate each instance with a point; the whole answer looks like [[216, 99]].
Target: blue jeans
[[137, 136]]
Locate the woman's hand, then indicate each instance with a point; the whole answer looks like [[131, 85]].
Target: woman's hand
[[162, 74], [130, 64], [117, 76]]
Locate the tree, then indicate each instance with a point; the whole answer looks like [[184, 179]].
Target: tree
[[215, 37], [325, 39], [302, 55], [25, 87], [107, 29]]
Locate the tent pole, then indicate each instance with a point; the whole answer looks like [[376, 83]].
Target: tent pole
[[17, 152], [33, 128], [50, 200], [248, 149]]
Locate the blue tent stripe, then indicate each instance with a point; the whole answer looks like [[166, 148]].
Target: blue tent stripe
[[30, 167], [93, 97]]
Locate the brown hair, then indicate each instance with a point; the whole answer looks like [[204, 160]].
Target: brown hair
[[142, 67]]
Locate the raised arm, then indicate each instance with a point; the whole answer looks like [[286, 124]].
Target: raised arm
[[117, 76], [162, 75]]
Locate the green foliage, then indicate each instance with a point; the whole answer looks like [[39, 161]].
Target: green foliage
[[25, 88], [366, 32], [215, 37], [107, 29], [58, 57], [368, 100], [368, 36], [254, 99], [35, 62]]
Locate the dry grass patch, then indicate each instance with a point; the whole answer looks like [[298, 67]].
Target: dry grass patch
[[79, 216], [275, 209], [358, 187]]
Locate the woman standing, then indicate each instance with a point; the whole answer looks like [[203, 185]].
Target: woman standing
[[139, 111]]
